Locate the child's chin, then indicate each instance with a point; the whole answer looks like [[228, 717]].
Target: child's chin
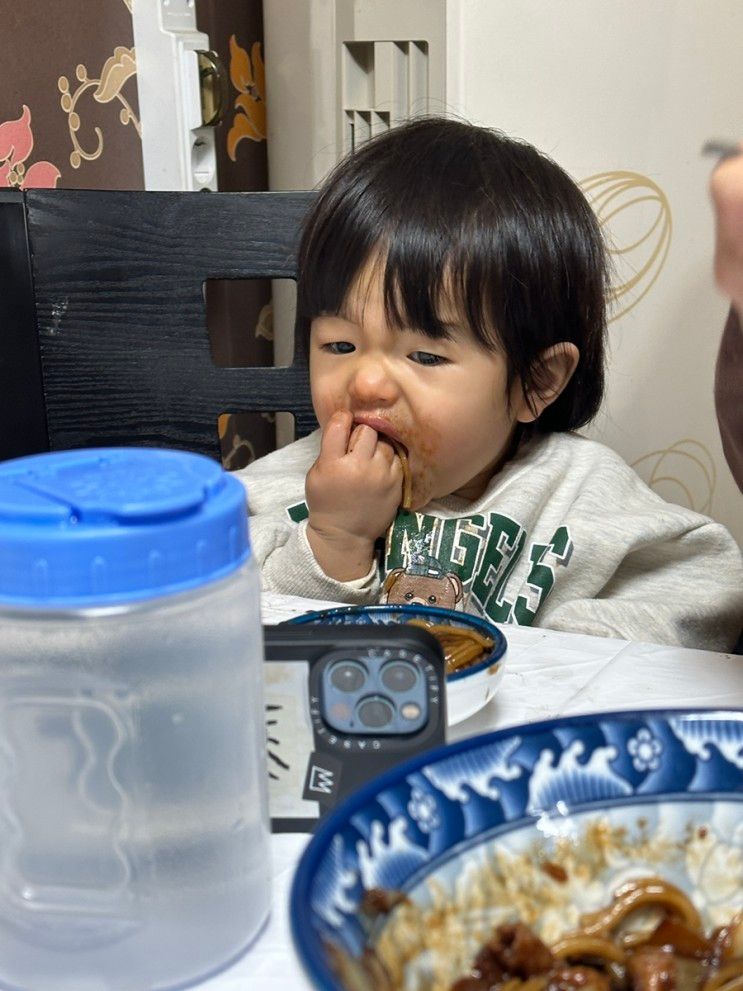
[[419, 499]]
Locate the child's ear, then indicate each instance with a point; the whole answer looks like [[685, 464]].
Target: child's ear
[[553, 370]]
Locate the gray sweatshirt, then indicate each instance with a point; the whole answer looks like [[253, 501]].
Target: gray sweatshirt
[[566, 536]]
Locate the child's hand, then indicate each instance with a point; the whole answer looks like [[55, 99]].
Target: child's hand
[[353, 491]]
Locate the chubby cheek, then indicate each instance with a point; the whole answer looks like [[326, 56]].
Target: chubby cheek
[[325, 401]]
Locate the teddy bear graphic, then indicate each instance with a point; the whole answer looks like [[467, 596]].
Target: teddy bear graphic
[[423, 582]]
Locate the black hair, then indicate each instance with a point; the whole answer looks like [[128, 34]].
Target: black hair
[[465, 214]]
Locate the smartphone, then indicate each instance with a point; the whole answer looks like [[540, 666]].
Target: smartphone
[[343, 704]]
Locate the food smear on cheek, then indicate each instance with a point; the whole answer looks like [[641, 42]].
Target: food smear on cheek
[[423, 459]]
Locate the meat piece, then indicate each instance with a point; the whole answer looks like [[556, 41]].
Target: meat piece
[[579, 978], [486, 967], [521, 952], [512, 951], [652, 968]]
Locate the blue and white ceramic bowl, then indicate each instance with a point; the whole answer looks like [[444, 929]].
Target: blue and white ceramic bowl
[[468, 690], [465, 831]]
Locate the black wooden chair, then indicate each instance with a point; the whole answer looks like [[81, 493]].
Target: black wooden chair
[[103, 334]]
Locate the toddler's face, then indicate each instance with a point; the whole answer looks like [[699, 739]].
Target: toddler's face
[[444, 400]]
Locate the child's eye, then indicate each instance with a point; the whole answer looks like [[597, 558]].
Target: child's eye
[[339, 347], [426, 358]]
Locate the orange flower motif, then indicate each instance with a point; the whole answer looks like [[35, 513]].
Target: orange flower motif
[[249, 79], [16, 144]]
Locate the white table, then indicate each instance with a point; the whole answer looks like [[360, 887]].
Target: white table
[[547, 674]]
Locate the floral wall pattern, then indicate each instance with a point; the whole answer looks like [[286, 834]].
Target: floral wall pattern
[[16, 145], [248, 76], [72, 87], [69, 118], [117, 70]]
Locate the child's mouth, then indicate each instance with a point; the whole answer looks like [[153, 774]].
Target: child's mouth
[[382, 426]]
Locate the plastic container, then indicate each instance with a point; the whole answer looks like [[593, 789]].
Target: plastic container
[[134, 831]]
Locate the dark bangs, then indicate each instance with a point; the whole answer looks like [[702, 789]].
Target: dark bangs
[[470, 226], [377, 206]]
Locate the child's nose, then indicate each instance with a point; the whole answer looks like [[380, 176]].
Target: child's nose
[[373, 382]]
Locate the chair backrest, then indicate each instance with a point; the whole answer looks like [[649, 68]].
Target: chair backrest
[[103, 333]]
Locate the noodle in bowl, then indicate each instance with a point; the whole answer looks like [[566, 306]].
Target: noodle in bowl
[[590, 829]]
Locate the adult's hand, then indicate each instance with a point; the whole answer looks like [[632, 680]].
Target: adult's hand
[[726, 189]]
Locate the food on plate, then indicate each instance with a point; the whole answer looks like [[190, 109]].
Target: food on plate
[[607, 952]]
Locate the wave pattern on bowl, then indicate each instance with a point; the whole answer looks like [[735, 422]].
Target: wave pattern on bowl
[[451, 828]]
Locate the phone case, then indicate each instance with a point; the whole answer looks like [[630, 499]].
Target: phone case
[[313, 761]]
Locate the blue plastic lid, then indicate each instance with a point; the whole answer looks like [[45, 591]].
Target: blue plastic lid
[[108, 525]]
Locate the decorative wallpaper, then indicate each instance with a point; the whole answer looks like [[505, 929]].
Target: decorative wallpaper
[[248, 76], [16, 145], [69, 118], [117, 70], [635, 216], [683, 473], [72, 87]]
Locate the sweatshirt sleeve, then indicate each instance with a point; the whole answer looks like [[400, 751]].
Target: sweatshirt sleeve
[[274, 486], [288, 565], [685, 590]]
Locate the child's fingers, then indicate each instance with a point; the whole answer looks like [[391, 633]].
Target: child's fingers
[[363, 441], [335, 436]]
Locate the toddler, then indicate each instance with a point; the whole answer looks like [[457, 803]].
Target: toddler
[[453, 284]]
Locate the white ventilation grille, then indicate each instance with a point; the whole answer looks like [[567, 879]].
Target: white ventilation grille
[[382, 83]]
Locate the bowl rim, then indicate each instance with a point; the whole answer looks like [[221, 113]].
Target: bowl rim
[[305, 944], [500, 643]]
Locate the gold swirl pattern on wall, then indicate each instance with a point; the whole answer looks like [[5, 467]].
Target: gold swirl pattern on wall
[[623, 202], [118, 69], [683, 473]]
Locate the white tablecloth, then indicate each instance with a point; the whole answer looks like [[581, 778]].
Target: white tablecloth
[[547, 674]]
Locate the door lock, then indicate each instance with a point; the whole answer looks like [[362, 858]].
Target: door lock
[[213, 88]]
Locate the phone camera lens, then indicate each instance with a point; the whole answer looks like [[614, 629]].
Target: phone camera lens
[[375, 712], [347, 676], [399, 676]]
